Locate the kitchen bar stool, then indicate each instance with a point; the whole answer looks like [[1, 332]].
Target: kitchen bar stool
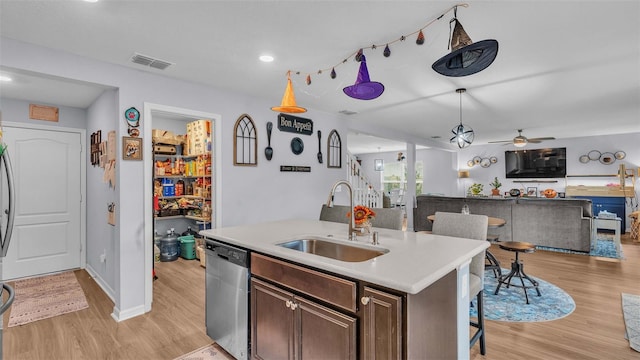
[[635, 225], [517, 268]]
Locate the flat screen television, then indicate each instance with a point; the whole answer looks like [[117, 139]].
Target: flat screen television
[[536, 163]]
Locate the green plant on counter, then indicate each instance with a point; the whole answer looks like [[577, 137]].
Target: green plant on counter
[[476, 189], [495, 184]]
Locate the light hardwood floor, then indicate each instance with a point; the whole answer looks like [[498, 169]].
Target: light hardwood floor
[[175, 326], [595, 330]]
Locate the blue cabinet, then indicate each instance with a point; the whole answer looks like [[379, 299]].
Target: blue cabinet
[[611, 204]]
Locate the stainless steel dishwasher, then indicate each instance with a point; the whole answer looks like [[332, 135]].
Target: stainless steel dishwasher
[[227, 297]]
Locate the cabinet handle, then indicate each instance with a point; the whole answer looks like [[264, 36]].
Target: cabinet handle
[[288, 303], [365, 300], [294, 306]]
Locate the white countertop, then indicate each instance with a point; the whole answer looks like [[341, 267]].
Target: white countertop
[[414, 260]]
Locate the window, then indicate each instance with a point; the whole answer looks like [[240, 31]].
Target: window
[[394, 176]]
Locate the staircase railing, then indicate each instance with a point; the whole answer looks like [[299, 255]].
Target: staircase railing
[[364, 192]]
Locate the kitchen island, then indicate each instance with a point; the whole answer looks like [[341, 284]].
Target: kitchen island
[[419, 285]]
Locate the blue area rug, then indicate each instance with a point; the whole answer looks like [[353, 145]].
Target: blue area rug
[[603, 248], [510, 304]]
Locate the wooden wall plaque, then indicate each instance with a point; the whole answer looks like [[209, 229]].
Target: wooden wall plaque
[[41, 112]]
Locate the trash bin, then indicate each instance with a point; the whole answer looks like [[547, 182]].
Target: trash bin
[[188, 247]]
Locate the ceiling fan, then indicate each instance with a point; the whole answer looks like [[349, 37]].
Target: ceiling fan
[[521, 140]]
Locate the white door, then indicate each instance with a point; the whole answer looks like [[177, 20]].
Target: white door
[[46, 233]]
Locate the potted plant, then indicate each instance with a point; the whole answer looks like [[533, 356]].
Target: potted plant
[[476, 189], [495, 186]]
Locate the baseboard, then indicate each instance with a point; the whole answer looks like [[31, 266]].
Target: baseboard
[[119, 315], [100, 281]]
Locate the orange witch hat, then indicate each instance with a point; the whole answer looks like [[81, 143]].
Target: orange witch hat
[[288, 104]]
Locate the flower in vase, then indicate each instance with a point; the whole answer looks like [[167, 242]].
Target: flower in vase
[[362, 214]]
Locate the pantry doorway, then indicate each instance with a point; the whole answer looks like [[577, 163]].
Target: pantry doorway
[[170, 112]]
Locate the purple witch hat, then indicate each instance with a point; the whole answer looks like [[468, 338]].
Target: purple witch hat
[[364, 88]]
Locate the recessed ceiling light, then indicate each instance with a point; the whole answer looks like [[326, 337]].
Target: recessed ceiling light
[[91, 1], [266, 58], [5, 78]]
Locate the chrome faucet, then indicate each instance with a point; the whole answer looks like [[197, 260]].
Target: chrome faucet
[[352, 222]]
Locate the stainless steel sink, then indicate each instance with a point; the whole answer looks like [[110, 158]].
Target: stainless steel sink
[[333, 250]]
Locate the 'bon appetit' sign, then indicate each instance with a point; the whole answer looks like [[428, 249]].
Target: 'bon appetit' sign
[[294, 124]]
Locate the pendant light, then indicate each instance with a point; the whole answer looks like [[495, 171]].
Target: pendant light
[[462, 135], [466, 57]]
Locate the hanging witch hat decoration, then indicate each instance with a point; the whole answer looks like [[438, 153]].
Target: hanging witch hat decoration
[[288, 104], [466, 57], [364, 88], [462, 135]]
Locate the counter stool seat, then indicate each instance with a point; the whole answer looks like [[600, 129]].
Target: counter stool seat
[[517, 268]]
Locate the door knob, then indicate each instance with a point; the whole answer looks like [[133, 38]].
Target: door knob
[[365, 300]]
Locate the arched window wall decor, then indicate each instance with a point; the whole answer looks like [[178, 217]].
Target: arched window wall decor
[[334, 150], [245, 142]]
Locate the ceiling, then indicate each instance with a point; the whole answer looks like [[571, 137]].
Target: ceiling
[[564, 68]]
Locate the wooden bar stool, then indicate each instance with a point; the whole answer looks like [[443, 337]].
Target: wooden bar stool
[[635, 225], [517, 268]]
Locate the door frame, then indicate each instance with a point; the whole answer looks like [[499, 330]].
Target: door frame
[[83, 176], [216, 126]]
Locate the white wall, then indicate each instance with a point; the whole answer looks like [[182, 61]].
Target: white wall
[[250, 194], [439, 169], [102, 237], [575, 147], [18, 111]]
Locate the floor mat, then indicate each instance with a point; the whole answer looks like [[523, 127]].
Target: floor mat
[[631, 312], [510, 304], [208, 352], [45, 297]]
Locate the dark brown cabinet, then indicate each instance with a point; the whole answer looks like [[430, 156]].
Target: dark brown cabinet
[[300, 312], [286, 326], [381, 325]]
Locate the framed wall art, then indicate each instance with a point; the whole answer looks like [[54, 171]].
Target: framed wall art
[[378, 165], [131, 148]]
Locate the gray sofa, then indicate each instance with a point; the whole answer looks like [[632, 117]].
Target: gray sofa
[[558, 223]]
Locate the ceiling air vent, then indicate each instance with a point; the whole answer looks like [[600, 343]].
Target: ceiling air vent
[[347, 112], [149, 61]]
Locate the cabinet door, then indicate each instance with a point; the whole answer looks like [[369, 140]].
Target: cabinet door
[[381, 325], [614, 205], [322, 333], [272, 323]]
